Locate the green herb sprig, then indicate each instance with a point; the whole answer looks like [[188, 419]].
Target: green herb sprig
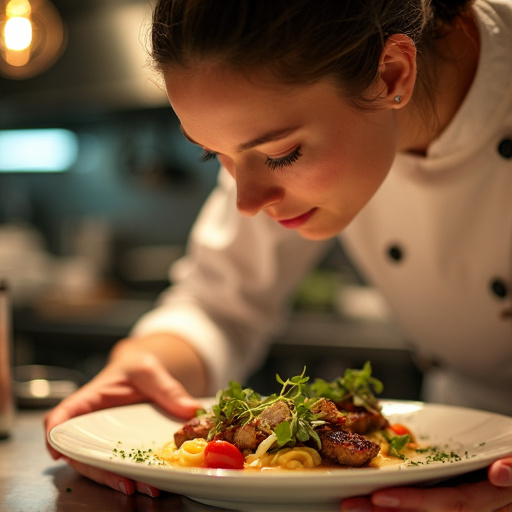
[[397, 444], [356, 386], [238, 406]]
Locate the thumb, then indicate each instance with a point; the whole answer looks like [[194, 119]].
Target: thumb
[[500, 473], [155, 382]]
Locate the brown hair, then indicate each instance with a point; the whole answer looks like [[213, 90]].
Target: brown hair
[[300, 41]]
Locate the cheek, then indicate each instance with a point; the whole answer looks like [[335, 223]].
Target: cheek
[[350, 175], [360, 165]]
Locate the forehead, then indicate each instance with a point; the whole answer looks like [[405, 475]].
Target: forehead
[[219, 107]]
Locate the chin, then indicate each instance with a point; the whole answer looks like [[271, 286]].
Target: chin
[[317, 234], [322, 233]]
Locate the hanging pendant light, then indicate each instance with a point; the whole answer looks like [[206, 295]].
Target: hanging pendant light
[[32, 37]]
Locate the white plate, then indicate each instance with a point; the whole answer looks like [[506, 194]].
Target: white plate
[[478, 437]]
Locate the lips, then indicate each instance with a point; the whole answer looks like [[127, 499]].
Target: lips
[[297, 222]]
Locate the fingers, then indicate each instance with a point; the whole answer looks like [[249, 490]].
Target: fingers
[[91, 397], [153, 381], [484, 496], [500, 473], [476, 497], [116, 482]]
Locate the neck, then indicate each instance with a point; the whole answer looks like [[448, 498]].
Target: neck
[[451, 68]]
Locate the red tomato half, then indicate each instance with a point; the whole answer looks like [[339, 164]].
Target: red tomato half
[[223, 455], [400, 430]]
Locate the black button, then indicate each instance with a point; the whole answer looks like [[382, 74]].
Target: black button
[[395, 253], [505, 148], [499, 288]]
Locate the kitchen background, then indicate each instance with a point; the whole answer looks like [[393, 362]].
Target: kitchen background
[[86, 241]]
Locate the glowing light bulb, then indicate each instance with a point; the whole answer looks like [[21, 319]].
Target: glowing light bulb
[[17, 33], [18, 8], [32, 37]]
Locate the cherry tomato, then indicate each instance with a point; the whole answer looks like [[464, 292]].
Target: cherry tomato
[[400, 430], [223, 455]]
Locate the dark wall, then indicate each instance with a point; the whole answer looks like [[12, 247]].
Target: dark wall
[[135, 172]]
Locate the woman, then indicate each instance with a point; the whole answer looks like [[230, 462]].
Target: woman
[[387, 124]]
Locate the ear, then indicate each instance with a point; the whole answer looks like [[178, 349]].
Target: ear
[[397, 71]]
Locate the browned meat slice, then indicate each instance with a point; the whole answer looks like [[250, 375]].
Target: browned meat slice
[[327, 411], [198, 427], [346, 448], [273, 415], [365, 421], [248, 437], [361, 420], [228, 434]]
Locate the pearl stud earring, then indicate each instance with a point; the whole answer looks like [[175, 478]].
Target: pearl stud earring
[[398, 98]]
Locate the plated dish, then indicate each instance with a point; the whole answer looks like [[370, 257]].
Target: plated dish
[[478, 438]]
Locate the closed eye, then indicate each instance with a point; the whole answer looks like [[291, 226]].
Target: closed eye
[[208, 155], [283, 161]]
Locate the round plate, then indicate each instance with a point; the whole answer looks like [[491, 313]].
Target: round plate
[[478, 437]]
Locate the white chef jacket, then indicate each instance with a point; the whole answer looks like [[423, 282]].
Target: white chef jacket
[[436, 239]]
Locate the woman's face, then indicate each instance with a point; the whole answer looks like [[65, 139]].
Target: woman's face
[[299, 154]]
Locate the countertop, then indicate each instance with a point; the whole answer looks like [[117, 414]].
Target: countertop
[[31, 481]]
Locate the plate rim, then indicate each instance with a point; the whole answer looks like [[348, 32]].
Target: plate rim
[[191, 482]]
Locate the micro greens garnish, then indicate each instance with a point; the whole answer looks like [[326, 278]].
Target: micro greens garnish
[[356, 386], [239, 406]]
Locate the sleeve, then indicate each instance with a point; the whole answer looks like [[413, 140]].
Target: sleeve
[[230, 292]]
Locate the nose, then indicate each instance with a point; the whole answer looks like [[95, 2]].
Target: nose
[[256, 191]]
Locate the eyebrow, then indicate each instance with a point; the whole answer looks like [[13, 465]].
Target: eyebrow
[[271, 136]]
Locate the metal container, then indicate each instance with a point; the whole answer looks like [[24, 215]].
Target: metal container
[[6, 383]]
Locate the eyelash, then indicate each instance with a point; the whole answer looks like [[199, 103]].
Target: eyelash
[[284, 161], [207, 156], [272, 163]]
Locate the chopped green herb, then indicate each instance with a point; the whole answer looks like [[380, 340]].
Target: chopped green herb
[[435, 454], [138, 455]]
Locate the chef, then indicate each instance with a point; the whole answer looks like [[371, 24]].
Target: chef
[[387, 125]]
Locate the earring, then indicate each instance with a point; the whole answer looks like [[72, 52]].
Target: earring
[[398, 98]]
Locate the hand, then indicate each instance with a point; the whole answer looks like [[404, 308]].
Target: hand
[[492, 495], [133, 375]]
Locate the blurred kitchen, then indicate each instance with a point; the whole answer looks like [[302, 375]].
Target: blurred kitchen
[[98, 190]]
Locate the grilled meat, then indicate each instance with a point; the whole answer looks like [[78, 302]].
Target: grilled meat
[[273, 415], [195, 428], [327, 411], [346, 448], [341, 436], [365, 421], [249, 436], [361, 420]]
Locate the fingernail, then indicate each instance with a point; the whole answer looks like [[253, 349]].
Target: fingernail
[[122, 487], [385, 501], [150, 491], [504, 475]]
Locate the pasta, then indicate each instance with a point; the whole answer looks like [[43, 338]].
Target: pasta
[[189, 454], [300, 457]]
